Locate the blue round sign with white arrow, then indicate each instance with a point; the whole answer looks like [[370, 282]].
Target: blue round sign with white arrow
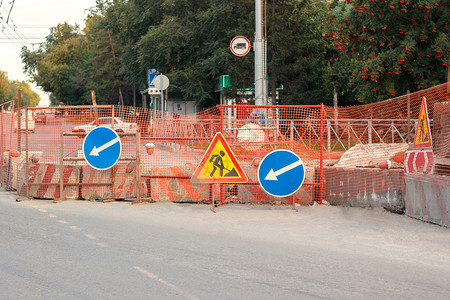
[[281, 173], [102, 148]]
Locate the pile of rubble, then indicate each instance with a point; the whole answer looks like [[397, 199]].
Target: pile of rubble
[[373, 155]]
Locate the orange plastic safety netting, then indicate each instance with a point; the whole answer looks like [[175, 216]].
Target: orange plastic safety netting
[[251, 132], [374, 138], [161, 150]]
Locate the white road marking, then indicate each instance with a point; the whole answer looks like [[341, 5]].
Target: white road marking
[[168, 284]]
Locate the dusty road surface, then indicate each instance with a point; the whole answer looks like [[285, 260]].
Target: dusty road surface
[[92, 250]]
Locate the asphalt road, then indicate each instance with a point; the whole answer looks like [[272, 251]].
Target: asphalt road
[[92, 250]]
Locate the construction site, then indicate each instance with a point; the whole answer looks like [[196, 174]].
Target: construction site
[[353, 156]]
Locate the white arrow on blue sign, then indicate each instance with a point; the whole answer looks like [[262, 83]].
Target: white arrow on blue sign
[[102, 148], [152, 73], [281, 173]]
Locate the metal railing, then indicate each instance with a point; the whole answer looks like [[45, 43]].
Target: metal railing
[[342, 134]]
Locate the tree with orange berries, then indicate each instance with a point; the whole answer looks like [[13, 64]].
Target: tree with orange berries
[[391, 46]]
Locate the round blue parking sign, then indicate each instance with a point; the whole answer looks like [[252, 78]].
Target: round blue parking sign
[[281, 173], [102, 148]]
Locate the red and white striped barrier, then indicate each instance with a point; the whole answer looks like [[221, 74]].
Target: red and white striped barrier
[[47, 176], [14, 167], [124, 182], [175, 185], [419, 161]]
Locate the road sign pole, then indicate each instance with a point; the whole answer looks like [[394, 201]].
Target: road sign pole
[[211, 197], [161, 95], [260, 76]]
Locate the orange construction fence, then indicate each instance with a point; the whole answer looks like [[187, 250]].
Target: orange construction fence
[[42, 154]]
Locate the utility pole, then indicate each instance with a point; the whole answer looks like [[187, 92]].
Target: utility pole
[[260, 55]]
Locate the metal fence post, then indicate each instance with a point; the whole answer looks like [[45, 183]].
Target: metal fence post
[[322, 112], [138, 169], [27, 177], [2, 149], [19, 121], [328, 136], [221, 107], [408, 110], [348, 135], [292, 134], [61, 167], [392, 131]]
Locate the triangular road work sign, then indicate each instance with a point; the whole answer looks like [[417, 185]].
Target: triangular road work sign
[[422, 139], [219, 165]]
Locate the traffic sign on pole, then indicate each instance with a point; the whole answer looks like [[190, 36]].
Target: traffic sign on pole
[[240, 46], [102, 148], [152, 73], [422, 139], [219, 164], [281, 173], [161, 82]]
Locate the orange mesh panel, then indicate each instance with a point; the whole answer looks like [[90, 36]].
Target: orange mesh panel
[[6, 139], [171, 147], [267, 128], [377, 135]]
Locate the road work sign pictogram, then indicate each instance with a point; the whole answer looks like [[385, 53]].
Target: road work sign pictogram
[[219, 165], [281, 173], [102, 148], [422, 139]]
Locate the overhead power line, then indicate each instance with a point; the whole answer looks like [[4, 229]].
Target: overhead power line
[[15, 36], [12, 5], [13, 33]]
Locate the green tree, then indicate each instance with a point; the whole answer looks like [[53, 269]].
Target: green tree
[[102, 62], [298, 56], [112, 31], [392, 46], [191, 45], [9, 91], [3, 87], [58, 66], [28, 96]]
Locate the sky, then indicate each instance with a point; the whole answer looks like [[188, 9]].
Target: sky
[[29, 23]]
